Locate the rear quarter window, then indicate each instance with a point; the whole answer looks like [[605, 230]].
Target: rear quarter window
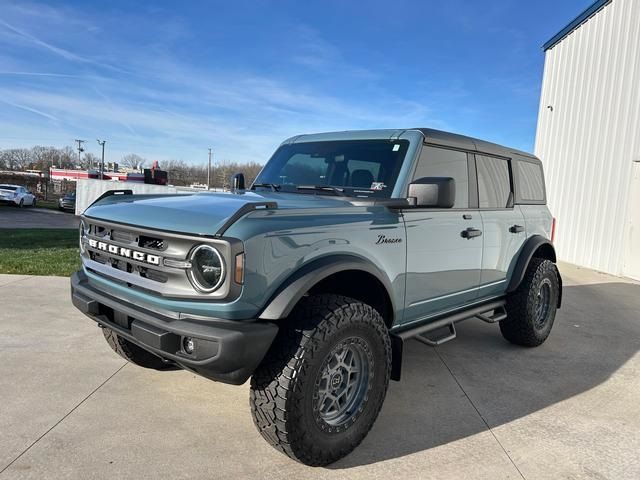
[[530, 182]]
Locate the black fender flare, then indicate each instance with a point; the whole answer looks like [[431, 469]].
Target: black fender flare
[[310, 274], [524, 258]]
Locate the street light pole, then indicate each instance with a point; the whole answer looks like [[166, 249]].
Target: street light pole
[[102, 162], [209, 172], [80, 150]]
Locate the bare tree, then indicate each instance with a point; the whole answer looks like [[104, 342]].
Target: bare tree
[[17, 158], [133, 161], [90, 161], [38, 156]]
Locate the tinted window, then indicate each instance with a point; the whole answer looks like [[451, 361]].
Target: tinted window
[[440, 162], [494, 182], [530, 181], [361, 168]]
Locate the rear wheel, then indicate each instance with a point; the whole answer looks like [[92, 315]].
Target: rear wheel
[[133, 353], [531, 309], [33, 203], [320, 387], [21, 204]]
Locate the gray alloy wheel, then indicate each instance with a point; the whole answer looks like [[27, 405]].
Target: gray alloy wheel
[[342, 382]]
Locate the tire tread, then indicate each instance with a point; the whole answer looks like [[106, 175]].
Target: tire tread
[[276, 398]]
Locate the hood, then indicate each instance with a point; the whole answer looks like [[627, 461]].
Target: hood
[[202, 213]]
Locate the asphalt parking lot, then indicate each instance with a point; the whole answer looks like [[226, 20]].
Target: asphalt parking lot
[[475, 408], [27, 217]]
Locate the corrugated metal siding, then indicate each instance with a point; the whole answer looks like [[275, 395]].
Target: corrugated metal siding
[[589, 140]]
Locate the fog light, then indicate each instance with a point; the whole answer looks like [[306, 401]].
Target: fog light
[[188, 344]]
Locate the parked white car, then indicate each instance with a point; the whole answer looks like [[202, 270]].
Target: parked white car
[[17, 195]]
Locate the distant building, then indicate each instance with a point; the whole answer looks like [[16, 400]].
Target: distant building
[[588, 137], [59, 174]]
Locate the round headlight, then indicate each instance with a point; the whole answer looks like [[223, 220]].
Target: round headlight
[[207, 268]]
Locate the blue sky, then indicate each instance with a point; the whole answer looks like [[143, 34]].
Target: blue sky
[[170, 79]]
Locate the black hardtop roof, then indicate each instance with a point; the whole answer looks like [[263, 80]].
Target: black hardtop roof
[[455, 140]]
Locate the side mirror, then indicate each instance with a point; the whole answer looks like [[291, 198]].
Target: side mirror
[[433, 192], [237, 181]]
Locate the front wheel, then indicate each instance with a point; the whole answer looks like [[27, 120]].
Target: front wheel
[[319, 389], [531, 309]]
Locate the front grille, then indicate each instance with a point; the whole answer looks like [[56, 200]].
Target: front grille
[[116, 247], [151, 242], [121, 236], [135, 257]]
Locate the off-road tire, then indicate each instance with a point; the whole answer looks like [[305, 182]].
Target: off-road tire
[[284, 388], [523, 325], [133, 353]]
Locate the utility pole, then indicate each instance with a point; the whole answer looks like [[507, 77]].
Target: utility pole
[[102, 162], [80, 150], [209, 172]]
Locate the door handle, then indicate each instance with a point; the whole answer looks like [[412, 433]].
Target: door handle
[[516, 229], [470, 233]]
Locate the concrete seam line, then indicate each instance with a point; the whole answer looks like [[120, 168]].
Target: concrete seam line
[[478, 412], [62, 419]]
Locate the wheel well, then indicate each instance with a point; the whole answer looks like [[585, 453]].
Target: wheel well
[[362, 286], [545, 251]]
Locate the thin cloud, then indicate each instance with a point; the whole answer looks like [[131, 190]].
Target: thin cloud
[[30, 109], [66, 54], [40, 74], [61, 52]]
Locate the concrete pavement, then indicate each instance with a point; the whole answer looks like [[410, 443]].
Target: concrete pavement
[[27, 217], [475, 408]]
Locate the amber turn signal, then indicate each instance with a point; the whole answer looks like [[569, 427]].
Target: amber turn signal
[[239, 275]]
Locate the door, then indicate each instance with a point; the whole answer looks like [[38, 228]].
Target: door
[[503, 224], [631, 262], [443, 267]]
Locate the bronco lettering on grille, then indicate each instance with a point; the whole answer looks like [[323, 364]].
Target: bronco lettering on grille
[[124, 252]]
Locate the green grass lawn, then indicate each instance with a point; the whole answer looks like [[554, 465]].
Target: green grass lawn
[[39, 251]]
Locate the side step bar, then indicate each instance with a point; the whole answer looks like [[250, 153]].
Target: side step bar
[[489, 312], [439, 341]]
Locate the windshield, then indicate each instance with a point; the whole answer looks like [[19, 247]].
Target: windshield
[[360, 168], [7, 187]]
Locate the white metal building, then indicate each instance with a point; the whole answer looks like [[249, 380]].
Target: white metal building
[[588, 137]]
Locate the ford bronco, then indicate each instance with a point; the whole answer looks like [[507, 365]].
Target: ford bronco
[[310, 281]]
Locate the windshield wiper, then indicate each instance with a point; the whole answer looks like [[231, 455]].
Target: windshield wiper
[[322, 188], [273, 186]]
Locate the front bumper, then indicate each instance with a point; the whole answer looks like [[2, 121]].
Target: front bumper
[[225, 350]]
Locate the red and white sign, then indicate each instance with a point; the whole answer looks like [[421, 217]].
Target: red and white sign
[[74, 175]]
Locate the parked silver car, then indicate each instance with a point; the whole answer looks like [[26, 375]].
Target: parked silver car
[[17, 195]]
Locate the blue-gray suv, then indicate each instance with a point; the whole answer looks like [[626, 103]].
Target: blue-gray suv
[[310, 281]]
